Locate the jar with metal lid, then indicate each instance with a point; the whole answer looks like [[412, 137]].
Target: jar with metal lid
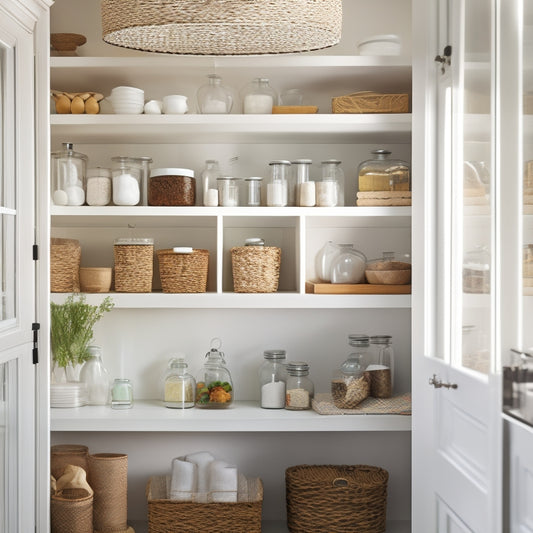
[[383, 174], [299, 389], [330, 188], [68, 176], [228, 191], [179, 386], [382, 368], [350, 384], [272, 379], [122, 394], [277, 186], [302, 188], [259, 97], [214, 98], [214, 388], [253, 191], [361, 343], [348, 266], [98, 186], [210, 174], [96, 378], [172, 187]]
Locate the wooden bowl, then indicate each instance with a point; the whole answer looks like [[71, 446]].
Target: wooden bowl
[[388, 273], [95, 279]]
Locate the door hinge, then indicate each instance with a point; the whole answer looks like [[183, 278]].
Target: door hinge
[[35, 351], [35, 252], [444, 59]]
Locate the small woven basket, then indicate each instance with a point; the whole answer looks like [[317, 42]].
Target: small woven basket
[[134, 265], [336, 498], [183, 272], [71, 512], [62, 455], [255, 268], [65, 257]]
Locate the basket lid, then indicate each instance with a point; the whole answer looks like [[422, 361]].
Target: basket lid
[[134, 241], [187, 172]]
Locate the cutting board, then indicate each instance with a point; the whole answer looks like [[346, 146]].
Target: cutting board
[[312, 287]]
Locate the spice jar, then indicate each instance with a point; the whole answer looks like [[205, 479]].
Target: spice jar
[[95, 376], [214, 98], [277, 187], [330, 189], [214, 388], [303, 189], [348, 266], [178, 385], [253, 191], [383, 174], [259, 97], [300, 389], [98, 186], [382, 369], [172, 187], [210, 174], [68, 176], [272, 378], [350, 384], [476, 270], [122, 394]]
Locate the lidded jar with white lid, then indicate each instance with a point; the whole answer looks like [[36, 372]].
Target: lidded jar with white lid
[[99, 186], [277, 186], [272, 379], [68, 176], [299, 389], [172, 187], [179, 386]]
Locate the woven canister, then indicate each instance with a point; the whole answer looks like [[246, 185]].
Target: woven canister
[[134, 264], [62, 455], [71, 511], [255, 268], [108, 477], [336, 498], [65, 257], [183, 269]]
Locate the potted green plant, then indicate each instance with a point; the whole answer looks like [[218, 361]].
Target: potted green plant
[[71, 332]]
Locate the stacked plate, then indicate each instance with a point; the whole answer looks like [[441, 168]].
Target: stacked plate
[[71, 394], [127, 100]]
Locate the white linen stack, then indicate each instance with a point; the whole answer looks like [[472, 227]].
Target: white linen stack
[[223, 481], [183, 483]]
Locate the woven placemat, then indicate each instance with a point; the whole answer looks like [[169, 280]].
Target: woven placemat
[[397, 405]]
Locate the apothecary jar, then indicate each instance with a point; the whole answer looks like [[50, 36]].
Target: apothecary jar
[[214, 98], [179, 386], [300, 388], [272, 379], [259, 97]]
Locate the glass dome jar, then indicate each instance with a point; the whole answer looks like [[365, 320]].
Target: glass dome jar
[[277, 186], [350, 384], [209, 176], [272, 379], [383, 174], [96, 377], [214, 388], [324, 259], [302, 188], [214, 98], [476, 270], [330, 189], [259, 97], [299, 389], [68, 176], [348, 266], [382, 368], [179, 386]]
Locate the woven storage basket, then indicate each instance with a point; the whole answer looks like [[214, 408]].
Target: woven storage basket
[[336, 498], [369, 102], [65, 257], [134, 265], [255, 268], [166, 515], [183, 272], [71, 512], [62, 455]]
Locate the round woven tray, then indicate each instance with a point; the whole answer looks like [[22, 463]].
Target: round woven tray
[[134, 266], [255, 268], [65, 257], [62, 455], [71, 512], [183, 272]]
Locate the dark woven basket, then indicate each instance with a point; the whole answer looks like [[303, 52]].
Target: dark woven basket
[[336, 498], [71, 512]]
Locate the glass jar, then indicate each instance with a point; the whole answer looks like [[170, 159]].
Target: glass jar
[[228, 191], [299, 389], [145, 164], [476, 270], [214, 98], [382, 368], [95, 376], [122, 394], [253, 191], [210, 174], [330, 189], [214, 388], [68, 176], [179, 386], [259, 97], [350, 384], [98, 186], [301, 188], [348, 266], [361, 342], [324, 259], [272, 379], [383, 174], [277, 187], [127, 180]]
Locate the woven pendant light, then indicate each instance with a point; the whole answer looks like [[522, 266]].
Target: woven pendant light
[[222, 27]]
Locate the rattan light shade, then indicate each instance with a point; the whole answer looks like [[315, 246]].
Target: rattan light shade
[[222, 27]]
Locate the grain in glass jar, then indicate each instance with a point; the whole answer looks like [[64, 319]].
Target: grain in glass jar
[[350, 384], [300, 389], [98, 186], [382, 368], [179, 386], [172, 187]]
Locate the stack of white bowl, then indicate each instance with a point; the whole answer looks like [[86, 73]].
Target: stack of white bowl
[[127, 100]]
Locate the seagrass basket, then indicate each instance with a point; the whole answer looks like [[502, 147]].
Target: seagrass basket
[[255, 268], [62, 455], [134, 265], [183, 272], [71, 511], [65, 257], [336, 498]]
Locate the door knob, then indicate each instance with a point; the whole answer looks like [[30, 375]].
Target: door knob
[[445, 58], [437, 383]]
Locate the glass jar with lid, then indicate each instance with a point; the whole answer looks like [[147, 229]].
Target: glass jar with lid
[[214, 388], [122, 394], [228, 191], [330, 188], [253, 191], [277, 187], [383, 174], [476, 270], [98, 186], [259, 97], [302, 188], [179, 386], [361, 343], [210, 174], [299, 389], [68, 176], [272, 379], [348, 266], [95, 376], [214, 98], [350, 384], [382, 368], [127, 181]]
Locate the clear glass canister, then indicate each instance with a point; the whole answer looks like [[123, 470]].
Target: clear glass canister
[[214, 98], [382, 368], [122, 394], [383, 174], [277, 186], [350, 384], [259, 97], [330, 188], [300, 389], [228, 191], [253, 191], [95, 376], [127, 180], [476, 270], [361, 343], [348, 266], [179, 386], [272, 379], [301, 188], [68, 176], [214, 388], [98, 186], [210, 174], [324, 259]]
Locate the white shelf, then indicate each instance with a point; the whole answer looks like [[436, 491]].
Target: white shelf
[[241, 417]]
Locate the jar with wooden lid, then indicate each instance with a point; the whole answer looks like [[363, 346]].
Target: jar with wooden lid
[[383, 174], [179, 386], [299, 389], [172, 187]]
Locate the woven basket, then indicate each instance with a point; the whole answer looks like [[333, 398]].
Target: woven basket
[[183, 272], [134, 265], [166, 515], [65, 257], [71, 512], [369, 102], [62, 455], [255, 268], [336, 499]]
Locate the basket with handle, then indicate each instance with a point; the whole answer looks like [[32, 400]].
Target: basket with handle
[[255, 268], [183, 271], [65, 257]]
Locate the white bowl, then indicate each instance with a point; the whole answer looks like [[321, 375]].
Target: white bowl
[[380, 45], [124, 89], [128, 109], [128, 101]]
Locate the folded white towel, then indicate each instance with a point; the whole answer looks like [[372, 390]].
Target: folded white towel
[[223, 481], [202, 460], [183, 480]]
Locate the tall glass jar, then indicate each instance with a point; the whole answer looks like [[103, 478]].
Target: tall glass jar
[[300, 389], [210, 174], [68, 176], [382, 369], [272, 379], [259, 97], [277, 187], [214, 98], [350, 384], [95, 376], [253, 191], [214, 388], [348, 266], [98, 186], [361, 342], [127, 181], [179, 386], [383, 174], [330, 189], [301, 188]]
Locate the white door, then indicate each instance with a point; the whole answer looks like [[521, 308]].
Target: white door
[[456, 434]]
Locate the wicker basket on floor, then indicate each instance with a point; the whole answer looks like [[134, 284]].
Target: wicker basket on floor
[[134, 265], [71, 512], [255, 268], [336, 498], [65, 257], [183, 272]]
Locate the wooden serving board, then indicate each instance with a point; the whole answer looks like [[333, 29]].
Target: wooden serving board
[[312, 287]]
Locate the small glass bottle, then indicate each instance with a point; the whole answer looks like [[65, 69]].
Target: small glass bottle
[[302, 187], [277, 187], [228, 191], [272, 379], [330, 188], [350, 384], [348, 266], [300, 389], [382, 369], [68, 176], [259, 97], [98, 186], [214, 98], [95, 376], [383, 174], [210, 174], [179, 386], [253, 191], [122, 394]]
